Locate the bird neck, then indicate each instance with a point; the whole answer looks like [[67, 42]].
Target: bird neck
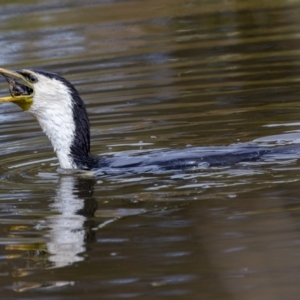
[[66, 124]]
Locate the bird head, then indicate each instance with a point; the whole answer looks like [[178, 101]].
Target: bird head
[[36, 90], [57, 106]]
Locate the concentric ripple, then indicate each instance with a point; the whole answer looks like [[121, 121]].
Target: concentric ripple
[[36, 173]]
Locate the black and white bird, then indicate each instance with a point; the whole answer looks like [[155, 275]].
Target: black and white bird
[[61, 113]]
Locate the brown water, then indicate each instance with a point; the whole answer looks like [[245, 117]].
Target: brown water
[[155, 74]]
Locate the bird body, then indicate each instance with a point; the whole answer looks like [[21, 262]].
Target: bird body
[[61, 113]]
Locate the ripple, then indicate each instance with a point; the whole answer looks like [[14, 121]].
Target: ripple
[[34, 173]]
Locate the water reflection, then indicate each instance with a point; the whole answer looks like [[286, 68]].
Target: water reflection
[[69, 230], [66, 230]]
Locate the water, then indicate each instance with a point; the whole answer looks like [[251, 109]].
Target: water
[[154, 75]]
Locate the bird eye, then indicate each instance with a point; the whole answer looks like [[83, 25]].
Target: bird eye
[[32, 78]]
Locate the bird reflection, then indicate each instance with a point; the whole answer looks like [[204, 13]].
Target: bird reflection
[[70, 229]]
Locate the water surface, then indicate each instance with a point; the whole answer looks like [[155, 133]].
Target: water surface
[[155, 75]]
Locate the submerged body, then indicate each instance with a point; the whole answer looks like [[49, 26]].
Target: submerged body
[[61, 113], [195, 158]]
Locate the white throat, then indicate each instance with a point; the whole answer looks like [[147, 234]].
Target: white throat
[[53, 108]]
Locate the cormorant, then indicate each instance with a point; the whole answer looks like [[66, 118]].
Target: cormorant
[[61, 113]]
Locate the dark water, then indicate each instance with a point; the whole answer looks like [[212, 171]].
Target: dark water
[[155, 75]]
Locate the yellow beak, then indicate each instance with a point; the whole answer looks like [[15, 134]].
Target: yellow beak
[[16, 81]]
